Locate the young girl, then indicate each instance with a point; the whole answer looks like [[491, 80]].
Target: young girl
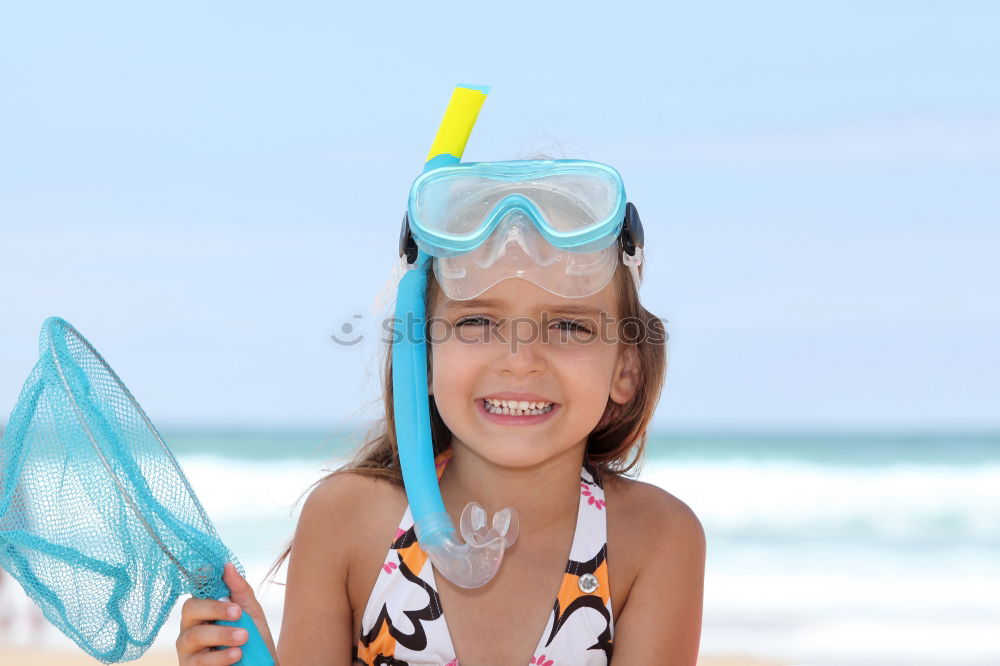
[[543, 372]]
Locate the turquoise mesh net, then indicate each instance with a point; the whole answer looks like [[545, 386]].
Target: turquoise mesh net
[[97, 521]]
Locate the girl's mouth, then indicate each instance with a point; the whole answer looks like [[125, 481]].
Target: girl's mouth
[[516, 412]]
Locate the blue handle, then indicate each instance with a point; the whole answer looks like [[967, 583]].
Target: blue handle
[[255, 652]]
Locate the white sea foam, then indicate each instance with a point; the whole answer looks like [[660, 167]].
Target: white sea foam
[[844, 564], [925, 504], [823, 564], [902, 503]]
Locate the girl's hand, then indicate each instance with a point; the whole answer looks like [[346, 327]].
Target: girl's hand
[[199, 636]]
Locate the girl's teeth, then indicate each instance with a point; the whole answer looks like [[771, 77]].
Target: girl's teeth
[[516, 407]]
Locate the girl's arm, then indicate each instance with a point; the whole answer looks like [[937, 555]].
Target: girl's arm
[[661, 620], [316, 628]]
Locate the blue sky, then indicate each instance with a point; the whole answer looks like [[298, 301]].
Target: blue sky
[[207, 191]]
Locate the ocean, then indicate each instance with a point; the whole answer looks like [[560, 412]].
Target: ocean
[[823, 548]]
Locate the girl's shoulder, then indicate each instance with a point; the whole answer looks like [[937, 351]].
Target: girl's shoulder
[[644, 506], [354, 516], [361, 505], [354, 488], [647, 526], [346, 524], [363, 511]]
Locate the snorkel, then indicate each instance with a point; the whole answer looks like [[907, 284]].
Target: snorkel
[[474, 562]]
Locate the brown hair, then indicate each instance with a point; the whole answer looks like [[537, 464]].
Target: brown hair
[[617, 443]]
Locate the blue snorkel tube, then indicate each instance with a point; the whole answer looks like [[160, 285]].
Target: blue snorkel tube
[[475, 561]]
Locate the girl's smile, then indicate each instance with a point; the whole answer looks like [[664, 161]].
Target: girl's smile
[[516, 409]]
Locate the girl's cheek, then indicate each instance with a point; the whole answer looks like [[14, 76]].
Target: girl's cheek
[[595, 352], [454, 356]]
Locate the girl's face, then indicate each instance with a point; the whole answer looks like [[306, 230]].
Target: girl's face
[[519, 342]]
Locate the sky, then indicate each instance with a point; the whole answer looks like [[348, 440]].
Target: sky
[[208, 191]]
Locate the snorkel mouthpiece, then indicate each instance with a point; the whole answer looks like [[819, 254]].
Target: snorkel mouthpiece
[[475, 562], [472, 563]]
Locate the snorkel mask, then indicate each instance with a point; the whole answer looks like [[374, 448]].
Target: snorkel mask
[[560, 224]]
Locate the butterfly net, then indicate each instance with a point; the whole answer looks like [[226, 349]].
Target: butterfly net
[[97, 521]]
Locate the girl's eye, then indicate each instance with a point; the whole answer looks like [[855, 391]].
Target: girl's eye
[[473, 321], [570, 325]]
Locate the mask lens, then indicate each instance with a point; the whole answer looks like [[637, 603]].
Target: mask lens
[[574, 202], [460, 202]]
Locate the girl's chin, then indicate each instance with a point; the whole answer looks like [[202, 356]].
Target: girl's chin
[[517, 451]]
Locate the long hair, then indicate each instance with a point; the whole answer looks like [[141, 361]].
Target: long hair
[[617, 443]]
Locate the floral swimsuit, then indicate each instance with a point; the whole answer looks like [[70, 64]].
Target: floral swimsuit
[[404, 624]]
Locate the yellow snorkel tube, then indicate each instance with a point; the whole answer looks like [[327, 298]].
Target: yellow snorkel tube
[[456, 126], [475, 561]]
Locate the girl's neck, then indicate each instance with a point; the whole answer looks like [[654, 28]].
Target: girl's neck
[[543, 495]]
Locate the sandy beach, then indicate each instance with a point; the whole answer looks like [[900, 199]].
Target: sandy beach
[[35, 657]]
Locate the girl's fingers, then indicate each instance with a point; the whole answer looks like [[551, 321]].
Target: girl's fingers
[[196, 611], [241, 593], [207, 636], [214, 658], [198, 634], [239, 589]]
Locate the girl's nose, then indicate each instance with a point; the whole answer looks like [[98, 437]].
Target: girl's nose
[[521, 352]]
